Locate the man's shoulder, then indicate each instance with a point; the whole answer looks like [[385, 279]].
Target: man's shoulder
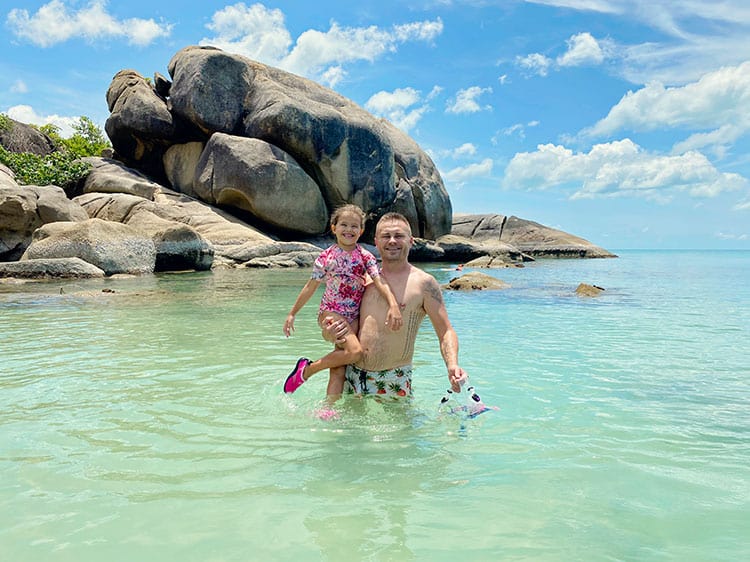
[[420, 275]]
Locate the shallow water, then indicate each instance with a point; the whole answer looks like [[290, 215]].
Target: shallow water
[[149, 423]]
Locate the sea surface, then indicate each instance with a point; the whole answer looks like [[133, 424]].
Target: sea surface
[[143, 419]]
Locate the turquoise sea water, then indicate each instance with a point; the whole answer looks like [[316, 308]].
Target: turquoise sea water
[[149, 423]]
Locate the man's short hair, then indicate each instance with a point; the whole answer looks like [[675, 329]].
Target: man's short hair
[[394, 217]]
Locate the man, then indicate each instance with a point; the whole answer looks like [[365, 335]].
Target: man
[[385, 367]]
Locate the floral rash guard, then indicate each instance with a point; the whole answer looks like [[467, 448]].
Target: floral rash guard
[[344, 275]]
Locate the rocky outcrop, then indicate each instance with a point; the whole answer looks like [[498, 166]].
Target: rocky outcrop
[[321, 150], [586, 290], [475, 281], [50, 268], [19, 137], [525, 237], [463, 249], [237, 163], [23, 209]]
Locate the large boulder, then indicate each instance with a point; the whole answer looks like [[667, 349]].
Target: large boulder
[[140, 125], [112, 247], [23, 209], [178, 246], [222, 231], [19, 137], [112, 176], [180, 162], [51, 267], [262, 179], [352, 156]]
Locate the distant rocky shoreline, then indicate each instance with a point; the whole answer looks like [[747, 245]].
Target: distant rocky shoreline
[[237, 164]]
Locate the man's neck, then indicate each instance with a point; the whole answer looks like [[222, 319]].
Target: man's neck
[[395, 268]]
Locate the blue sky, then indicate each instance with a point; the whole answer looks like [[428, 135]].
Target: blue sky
[[622, 121]]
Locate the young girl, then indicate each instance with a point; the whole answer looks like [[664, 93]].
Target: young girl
[[343, 266]]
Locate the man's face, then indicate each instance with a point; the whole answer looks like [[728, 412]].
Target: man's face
[[393, 240]]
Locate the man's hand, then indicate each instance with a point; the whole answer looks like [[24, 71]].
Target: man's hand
[[335, 330], [457, 377]]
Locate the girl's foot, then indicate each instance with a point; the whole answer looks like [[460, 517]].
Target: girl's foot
[[296, 378]]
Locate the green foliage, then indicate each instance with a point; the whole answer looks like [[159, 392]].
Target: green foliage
[[59, 168], [88, 139], [5, 122], [62, 168]]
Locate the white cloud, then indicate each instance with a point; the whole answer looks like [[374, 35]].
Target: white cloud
[[716, 106], [618, 168], [582, 49], [720, 97], [466, 100], [26, 114], [260, 33], [535, 63], [517, 129], [462, 174], [466, 149], [397, 106], [19, 87], [695, 36], [55, 23]]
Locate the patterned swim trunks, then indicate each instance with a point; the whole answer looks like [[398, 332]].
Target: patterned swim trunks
[[391, 383]]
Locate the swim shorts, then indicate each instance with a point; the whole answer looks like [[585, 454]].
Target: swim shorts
[[391, 383]]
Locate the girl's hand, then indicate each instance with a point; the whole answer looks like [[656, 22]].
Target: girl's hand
[[289, 325], [393, 318]]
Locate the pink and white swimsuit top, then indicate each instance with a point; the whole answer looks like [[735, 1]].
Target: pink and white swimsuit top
[[344, 275]]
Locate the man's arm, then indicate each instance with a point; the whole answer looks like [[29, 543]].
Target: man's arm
[[435, 308]]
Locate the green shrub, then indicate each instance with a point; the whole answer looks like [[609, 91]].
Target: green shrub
[[62, 168], [59, 168]]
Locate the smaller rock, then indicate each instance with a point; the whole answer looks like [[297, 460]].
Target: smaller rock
[[491, 262], [585, 290], [52, 267], [111, 246], [475, 281]]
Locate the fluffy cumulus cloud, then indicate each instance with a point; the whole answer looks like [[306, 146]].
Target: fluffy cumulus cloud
[[460, 175], [694, 36], [715, 106], [55, 23], [535, 63], [260, 33], [403, 107], [26, 114], [254, 31], [619, 168], [582, 49], [465, 100]]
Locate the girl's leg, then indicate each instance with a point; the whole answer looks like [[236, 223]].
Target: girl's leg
[[350, 351]]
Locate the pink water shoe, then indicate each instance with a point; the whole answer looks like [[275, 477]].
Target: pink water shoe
[[295, 378]]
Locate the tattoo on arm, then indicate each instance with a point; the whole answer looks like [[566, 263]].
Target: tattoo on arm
[[434, 291]]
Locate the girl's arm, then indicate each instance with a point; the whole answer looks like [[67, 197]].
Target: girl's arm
[[304, 295], [393, 319]]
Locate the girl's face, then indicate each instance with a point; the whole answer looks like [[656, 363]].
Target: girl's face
[[347, 230]]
